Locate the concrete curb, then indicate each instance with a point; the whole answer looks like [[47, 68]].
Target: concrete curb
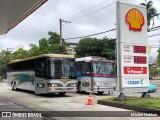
[[129, 107]]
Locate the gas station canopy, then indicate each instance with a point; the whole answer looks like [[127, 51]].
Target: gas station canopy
[[12, 12]]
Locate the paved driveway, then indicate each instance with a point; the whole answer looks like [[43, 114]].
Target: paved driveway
[[54, 102]]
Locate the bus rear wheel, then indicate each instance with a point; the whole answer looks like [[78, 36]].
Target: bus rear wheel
[[79, 87], [62, 93], [14, 86], [100, 93]]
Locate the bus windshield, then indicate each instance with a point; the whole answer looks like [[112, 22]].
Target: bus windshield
[[62, 68], [103, 68]]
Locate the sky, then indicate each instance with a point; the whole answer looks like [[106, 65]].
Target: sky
[[46, 18]]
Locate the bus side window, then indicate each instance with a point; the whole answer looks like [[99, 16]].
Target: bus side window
[[39, 69]]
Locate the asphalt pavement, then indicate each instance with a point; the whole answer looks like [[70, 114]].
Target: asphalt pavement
[[25, 101]]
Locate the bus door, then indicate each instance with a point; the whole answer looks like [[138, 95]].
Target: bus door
[[40, 79], [86, 77]]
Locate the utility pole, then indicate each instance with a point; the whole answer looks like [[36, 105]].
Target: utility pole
[[7, 53], [61, 42]]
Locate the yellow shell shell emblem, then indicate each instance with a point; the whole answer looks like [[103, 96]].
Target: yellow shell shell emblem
[[135, 19]]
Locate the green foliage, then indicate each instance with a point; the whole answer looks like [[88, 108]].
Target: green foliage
[[46, 46], [96, 47], [54, 43], [19, 54], [153, 71], [54, 38], [34, 50], [43, 46], [86, 47], [158, 56], [3, 61], [135, 101], [54, 48]]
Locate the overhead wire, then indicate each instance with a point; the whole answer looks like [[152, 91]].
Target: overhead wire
[[154, 29], [74, 18], [91, 34], [154, 35], [92, 11], [54, 26], [85, 10], [101, 33], [95, 11], [150, 30], [97, 34]]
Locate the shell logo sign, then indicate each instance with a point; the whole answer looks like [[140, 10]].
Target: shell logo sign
[[135, 19]]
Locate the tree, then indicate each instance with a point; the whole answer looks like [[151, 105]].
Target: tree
[[158, 56], [54, 38], [150, 12], [19, 54], [108, 50], [84, 47], [43, 46], [54, 43], [3, 62], [34, 50], [96, 47]]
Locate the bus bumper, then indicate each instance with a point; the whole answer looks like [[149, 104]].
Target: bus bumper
[[103, 89], [63, 89]]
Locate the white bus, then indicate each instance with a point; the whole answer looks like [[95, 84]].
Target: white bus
[[95, 74], [48, 73]]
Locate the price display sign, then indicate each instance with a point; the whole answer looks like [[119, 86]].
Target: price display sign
[[140, 49], [140, 60], [132, 50]]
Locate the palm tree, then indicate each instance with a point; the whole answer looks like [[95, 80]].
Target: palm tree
[[150, 12]]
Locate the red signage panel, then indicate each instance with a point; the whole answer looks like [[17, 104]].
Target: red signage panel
[[139, 49], [140, 60], [135, 70]]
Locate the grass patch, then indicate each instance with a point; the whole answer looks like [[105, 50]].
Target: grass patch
[[157, 85], [136, 101]]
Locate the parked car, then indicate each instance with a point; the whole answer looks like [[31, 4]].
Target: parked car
[[152, 88]]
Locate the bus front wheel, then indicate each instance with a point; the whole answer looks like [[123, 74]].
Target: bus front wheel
[[62, 93]]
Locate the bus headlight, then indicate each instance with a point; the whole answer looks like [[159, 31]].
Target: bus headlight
[[72, 85], [52, 85]]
